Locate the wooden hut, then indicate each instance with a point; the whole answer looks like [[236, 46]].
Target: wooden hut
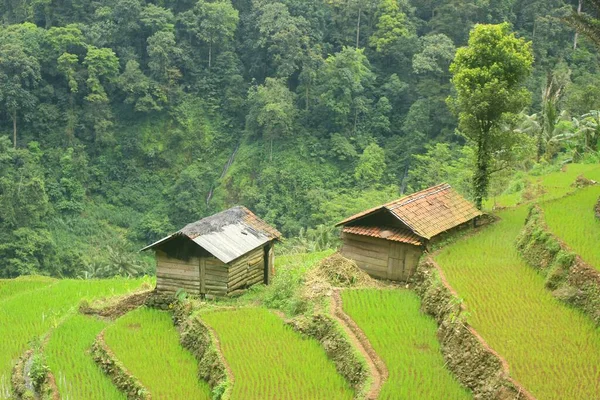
[[387, 241], [220, 254]]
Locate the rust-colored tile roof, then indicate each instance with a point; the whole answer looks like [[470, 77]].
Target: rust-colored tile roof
[[260, 225], [382, 232], [428, 212]]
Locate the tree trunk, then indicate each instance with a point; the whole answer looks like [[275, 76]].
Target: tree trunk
[[14, 118], [209, 54], [358, 26], [577, 34], [480, 180], [307, 96], [271, 152]]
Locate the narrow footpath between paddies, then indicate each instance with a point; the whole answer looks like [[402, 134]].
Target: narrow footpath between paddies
[[553, 350], [147, 344], [270, 361], [406, 340]]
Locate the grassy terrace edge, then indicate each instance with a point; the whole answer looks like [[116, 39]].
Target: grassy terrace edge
[[567, 275], [481, 369]]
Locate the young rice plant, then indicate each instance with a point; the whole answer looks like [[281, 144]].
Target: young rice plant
[[30, 314], [553, 350], [406, 341], [69, 359], [147, 343], [572, 219], [271, 361]]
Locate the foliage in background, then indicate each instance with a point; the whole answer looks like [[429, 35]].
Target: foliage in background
[[122, 121]]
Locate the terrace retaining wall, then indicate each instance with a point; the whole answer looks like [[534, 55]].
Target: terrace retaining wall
[[475, 364], [200, 340], [569, 278], [117, 307], [24, 386], [123, 379], [347, 362]]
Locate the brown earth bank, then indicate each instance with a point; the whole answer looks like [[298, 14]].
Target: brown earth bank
[[475, 364], [569, 278], [377, 368], [338, 348], [116, 307], [116, 371], [42, 386], [597, 209]]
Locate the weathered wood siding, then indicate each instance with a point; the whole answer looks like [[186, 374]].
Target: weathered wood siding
[[214, 275], [247, 270], [173, 274], [209, 276], [381, 258]]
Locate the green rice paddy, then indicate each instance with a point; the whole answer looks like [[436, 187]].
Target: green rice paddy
[[547, 187], [406, 341], [553, 350], [32, 313], [572, 219], [11, 287], [67, 353], [147, 343], [271, 361]]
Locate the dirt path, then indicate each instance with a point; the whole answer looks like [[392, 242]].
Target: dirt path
[[377, 368]]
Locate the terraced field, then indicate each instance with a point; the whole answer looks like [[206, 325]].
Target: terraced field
[[147, 343], [572, 219], [553, 350], [270, 361], [11, 287], [406, 341], [27, 314], [548, 187], [76, 373]]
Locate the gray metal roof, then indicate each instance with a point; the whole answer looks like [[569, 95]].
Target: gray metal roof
[[227, 235]]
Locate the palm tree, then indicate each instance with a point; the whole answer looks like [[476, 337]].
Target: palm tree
[[586, 24]]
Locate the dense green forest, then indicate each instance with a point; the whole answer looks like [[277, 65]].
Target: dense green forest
[[123, 120]]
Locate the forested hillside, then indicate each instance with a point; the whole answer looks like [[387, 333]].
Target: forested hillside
[[122, 120]]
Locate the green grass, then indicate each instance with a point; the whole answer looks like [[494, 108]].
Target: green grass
[[572, 219], [11, 287], [30, 314], [406, 341], [147, 343], [271, 361], [553, 350], [76, 373], [554, 185]]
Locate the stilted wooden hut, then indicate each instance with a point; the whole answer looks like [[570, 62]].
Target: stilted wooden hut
[[387, 241], [220, 254]]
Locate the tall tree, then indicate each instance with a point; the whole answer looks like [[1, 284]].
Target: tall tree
[[272, 111], [489, 76], [19, 74], [345, 80], [391, 26]]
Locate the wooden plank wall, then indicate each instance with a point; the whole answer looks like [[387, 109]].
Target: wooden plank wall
[[215, 274], [247, 270], [381, 258], [173, 274], [208, 275]]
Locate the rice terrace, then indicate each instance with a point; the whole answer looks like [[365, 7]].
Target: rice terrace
[[300, 200]]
